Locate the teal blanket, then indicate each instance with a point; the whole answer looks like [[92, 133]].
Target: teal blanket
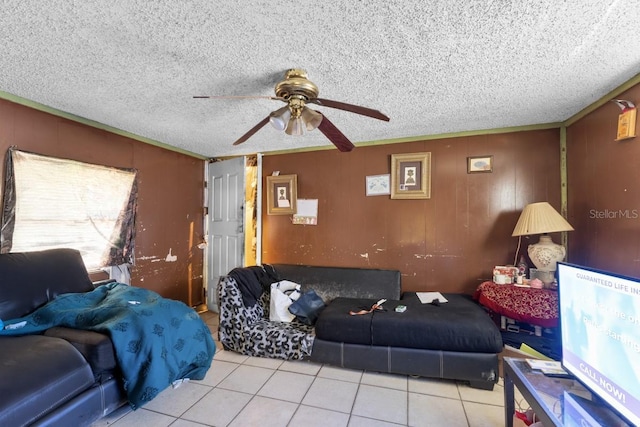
[[157, 341]]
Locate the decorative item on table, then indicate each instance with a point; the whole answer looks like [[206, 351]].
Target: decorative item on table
[[541, 218], [536, 283], [543, 276], [523, 267], [520, 279], [504, 274]]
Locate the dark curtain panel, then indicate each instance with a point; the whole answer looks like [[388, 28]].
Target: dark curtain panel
[[123, 250], [8, 204]]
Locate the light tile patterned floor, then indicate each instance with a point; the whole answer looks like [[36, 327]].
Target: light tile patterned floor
[[241, 391]]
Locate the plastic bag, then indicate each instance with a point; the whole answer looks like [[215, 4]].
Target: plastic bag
[[283, 293]]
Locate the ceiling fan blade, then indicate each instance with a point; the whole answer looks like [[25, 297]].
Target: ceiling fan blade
[[335, 136], [253, 130], [237, 97], [369, 112]]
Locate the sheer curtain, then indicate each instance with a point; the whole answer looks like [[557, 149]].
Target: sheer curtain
[[50, 202]]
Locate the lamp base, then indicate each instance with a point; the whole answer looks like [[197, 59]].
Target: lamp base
[[545, 254]]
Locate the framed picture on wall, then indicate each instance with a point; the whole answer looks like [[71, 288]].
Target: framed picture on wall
[[282, 194], [378, 185], [479, 164], [411, 176]]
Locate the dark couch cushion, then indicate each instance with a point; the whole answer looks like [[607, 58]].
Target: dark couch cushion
[[336, 324], [458, 325], [38, 375], [31, 279], [333, 282], [96, 348]]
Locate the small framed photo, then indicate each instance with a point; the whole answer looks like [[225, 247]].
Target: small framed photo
[[282, 194], [411, 176], [479, 164], [378, 185]]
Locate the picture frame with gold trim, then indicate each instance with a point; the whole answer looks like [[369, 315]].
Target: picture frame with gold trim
[[411, 176], [479, 164], [282, 194]]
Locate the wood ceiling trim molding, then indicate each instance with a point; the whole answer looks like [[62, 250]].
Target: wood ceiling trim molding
[[599, 103], [83, 120], [426, 138]]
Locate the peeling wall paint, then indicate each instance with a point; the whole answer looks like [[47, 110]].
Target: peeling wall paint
[[171, 258]]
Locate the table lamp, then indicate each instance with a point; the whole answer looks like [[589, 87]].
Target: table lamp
[[541, 218]]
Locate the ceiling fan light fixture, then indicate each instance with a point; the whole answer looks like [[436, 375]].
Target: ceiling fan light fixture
[[280, 118], [295, 126], [311, 118], [296, 90]]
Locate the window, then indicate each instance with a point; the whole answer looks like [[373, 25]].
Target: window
[[51, 203]]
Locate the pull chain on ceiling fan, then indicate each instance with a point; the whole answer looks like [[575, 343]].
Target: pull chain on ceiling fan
[[296, 90]]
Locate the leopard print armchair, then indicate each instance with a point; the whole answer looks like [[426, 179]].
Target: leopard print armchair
[[248, 330]]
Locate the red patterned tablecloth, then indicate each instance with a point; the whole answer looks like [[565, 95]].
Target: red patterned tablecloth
[[535, 306]]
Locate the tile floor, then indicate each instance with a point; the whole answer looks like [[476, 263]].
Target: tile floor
[[247, 391]]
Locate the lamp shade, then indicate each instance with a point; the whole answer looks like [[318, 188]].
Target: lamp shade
[[540, 218], [280, 118], [311, 118], [295, 126]]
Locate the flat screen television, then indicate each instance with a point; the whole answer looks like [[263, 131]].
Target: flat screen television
[[600, 329]]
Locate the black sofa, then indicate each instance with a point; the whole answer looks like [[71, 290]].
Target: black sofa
[[454, 340], [68, 360], [47, 380]]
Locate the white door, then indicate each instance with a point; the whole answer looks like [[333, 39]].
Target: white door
[[225, 235]]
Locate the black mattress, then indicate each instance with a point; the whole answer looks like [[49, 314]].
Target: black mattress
[[457, 325]]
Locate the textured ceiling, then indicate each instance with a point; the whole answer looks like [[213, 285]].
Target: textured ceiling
[[432, 66]]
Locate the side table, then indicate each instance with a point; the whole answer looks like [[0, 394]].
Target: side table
[[553, 400], [538, 307]]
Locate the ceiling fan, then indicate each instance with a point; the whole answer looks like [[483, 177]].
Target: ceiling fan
[[296, 90]]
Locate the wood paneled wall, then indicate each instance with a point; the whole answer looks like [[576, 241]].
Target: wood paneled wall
[[449, 242], [170, 198], [604, 192]]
